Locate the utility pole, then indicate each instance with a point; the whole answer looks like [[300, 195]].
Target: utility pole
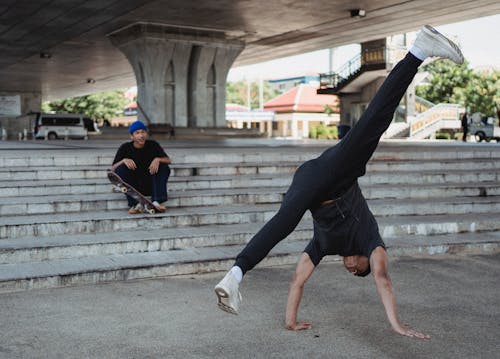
[[331, 53], [261, 93], [249, 102]]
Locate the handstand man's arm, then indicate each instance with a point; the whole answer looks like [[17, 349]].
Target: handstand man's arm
[[378, 263], [303, 271]]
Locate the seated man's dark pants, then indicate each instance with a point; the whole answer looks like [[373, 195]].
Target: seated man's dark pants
[[148, 184]]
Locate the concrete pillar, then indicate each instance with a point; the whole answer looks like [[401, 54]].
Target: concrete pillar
[[18, 120], [285, 128], [410, 101], [295, 128], [305, 129], [180, 73]]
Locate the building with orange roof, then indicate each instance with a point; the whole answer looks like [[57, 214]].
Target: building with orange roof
[[300, 108]]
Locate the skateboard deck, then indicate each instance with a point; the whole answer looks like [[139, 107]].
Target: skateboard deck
[[124, 187]]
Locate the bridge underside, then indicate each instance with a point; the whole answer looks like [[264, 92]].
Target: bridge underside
[[74, 33], [58, 48]]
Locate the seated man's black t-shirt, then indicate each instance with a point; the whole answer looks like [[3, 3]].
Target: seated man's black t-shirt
[[345, 227], [142, 158]]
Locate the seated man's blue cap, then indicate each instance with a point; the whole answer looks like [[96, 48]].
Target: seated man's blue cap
[[137, 125]]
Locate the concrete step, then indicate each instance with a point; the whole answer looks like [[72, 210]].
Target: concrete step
[[83, 155], [36, 248], [65, 203], [228, 168], [16, 226], [111, 201], [422, 197], [90, 172], [28, 187], [102, 185], [99, 269]]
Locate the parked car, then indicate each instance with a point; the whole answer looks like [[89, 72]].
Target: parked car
[[484, 128], [54, 126]]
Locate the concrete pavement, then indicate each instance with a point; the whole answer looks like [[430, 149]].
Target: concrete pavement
[[455, 299]]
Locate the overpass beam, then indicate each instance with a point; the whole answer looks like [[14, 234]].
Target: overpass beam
[[180, 73]]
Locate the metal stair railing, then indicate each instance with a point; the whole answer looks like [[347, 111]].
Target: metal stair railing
[[376, 56], [426, 123], [422, 105]]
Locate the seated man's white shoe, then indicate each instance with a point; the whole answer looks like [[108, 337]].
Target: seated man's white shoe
[[228, 295], [159, 207], [432, 43]]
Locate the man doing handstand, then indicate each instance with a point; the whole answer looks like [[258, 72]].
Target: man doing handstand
[[328, 187]]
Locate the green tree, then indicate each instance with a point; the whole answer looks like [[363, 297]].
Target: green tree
[[477, 90], [329, 110], [482, 93], [237, 92], [445, 78], [100, 106]]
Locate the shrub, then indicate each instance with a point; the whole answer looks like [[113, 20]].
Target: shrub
[[442, 136], [323, 132], [313, 133]]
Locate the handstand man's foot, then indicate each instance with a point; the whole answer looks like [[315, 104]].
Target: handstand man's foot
[[431, 43], [228, 295]]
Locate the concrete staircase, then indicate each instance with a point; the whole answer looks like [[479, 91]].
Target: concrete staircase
[[61, 225]]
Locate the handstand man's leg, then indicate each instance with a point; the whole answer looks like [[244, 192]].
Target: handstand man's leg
[[357, 147]]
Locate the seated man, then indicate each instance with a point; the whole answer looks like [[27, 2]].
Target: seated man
[[328, 187], [143, 164]]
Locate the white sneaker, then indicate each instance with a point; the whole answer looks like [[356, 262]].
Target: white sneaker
[[434, 44], [228, 295], [159, 207]]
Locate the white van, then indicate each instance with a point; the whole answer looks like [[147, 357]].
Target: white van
[[54, 126], [484, 128]]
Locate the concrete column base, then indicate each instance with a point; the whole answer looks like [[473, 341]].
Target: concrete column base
[[20, 126]]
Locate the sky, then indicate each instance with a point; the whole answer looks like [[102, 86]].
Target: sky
[[478, 39]]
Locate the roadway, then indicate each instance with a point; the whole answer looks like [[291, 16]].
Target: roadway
[[455, 299]]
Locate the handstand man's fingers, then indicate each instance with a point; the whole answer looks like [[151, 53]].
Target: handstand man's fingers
[[415, 334], [422, 335]]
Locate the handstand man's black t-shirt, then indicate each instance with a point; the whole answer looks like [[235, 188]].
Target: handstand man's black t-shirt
[[345, 227]]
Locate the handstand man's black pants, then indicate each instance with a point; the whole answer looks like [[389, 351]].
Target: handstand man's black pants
[[336, 169]]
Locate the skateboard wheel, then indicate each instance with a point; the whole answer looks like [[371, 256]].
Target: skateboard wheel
[[124, 189], [151, 211]]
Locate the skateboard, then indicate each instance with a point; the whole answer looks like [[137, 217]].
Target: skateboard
[[121, 186]]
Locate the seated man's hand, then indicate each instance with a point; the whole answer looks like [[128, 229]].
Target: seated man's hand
[[130, 164], [153, 167]]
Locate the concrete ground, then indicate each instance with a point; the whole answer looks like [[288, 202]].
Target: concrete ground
[[455, 299]]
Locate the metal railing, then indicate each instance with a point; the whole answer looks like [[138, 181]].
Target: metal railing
[[427, 122], [377, 56], [422, 105]]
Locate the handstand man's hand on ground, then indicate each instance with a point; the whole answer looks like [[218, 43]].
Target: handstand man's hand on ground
[[299, 326], [403, 330]]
